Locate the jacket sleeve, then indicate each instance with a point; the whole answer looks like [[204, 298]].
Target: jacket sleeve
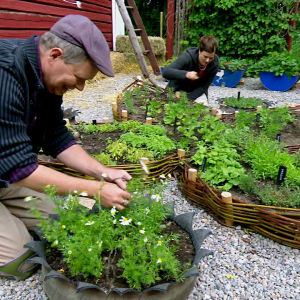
[[15, 148], [178, 68]]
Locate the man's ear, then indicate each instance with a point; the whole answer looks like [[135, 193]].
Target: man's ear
[[55, 53]]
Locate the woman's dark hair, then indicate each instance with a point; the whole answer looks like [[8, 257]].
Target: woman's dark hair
[[209, 44]]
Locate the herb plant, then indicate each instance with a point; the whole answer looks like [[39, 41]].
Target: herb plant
[[243, 102], [90, 242]]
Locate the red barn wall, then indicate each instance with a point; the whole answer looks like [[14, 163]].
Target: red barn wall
[[21, 19]]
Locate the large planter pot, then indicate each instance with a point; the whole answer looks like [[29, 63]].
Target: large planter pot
[[277, 83], [228, 78], [57, 286]]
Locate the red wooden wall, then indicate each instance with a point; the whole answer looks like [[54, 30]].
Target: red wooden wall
[[21, 19]]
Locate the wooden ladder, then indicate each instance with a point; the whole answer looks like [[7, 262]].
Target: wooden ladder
[[133, 38]]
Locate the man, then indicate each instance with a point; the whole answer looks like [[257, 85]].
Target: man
[[194, 70], [34, 74]]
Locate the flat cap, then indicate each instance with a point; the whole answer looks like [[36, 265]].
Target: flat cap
[[82, 32]]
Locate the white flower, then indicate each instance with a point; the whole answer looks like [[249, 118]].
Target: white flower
[[84, 194], [159, 243], [63, 226], [142, 231], [162, 176], [113, 211], [90, 249], [28, 198], [88, 223], [100, 244], [147, 210], [159, 260], [138, 223], [125, 221], [145, 240], [156, 197], [115, 221], [69, 252], [169, 175], [55, 243]]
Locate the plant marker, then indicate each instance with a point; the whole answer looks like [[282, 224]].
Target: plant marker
[[258, 107], [281, 174], [227, 199], [236, 113], [124, 115], [192, 174], [115, 109], [149, 120], [94, 122], [106, 120], [239, 95], [278, 136], [214, 111], [204, 164]]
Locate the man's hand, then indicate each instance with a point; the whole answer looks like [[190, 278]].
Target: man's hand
[[116, 176], [111, 195], [192, 75]]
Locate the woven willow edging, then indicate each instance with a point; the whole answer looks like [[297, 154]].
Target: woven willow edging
[[278, 223]]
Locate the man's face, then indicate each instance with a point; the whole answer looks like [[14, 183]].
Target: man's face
[[205, 58], [60, 77]]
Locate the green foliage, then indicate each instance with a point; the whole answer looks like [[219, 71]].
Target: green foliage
[[278, 63], [104, 159], [232, 64], [130, 125], [94, 128], [245, 29], [119, 150], [128, 101], [89, 242], [223, 169], [243, 102]]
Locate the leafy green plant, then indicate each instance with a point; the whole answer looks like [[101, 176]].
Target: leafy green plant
[[90, 242], [128, 101], [243, 102], [130, 125], [278, 63], [104, 159], [232, 64]]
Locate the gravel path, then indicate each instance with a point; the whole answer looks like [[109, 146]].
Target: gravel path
[[245, 265]]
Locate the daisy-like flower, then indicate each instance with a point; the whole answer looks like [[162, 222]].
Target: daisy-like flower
[[28, 198], [159, 243], [145, 240], [162, 176], [169, 175], [88, 223], [113, 211], [69, 252], [63, 226], [84, 194], [55, 243], [138, 223], [147, 210], [100, 244], [125, 221], [115, 221], [142, 231], [156, 197], [90, 249], [159, 261]]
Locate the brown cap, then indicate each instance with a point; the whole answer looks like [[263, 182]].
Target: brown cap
[[82, 32]]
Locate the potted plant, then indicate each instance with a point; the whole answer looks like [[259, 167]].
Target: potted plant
[[129, 254], [231, 72], [278, 71]]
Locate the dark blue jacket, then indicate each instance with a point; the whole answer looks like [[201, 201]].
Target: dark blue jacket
[[30, 117], [186, 62]]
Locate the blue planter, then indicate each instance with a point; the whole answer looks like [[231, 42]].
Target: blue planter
[[229, 78], [277, 83]]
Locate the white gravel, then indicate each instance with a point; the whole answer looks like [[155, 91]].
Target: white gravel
[[245, 265]]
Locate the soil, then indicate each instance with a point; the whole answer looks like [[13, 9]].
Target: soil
[[111, 273]]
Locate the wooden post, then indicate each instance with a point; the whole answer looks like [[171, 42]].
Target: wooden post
[[192, 174], [227, 198], [148, 120], [106, 120], [181, 153], [115, 110], [124, 115], [132, 36], [236, 113], [161, 24], [258, 107], [219, 115], [170, 28]]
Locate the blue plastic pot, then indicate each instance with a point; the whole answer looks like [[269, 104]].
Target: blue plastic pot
[[229, 79], [277, 83]]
